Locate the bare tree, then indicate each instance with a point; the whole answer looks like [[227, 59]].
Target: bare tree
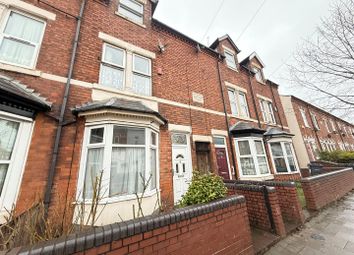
[[325, 65]]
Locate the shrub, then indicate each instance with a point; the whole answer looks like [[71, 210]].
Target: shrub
[[338, 156], [203, 189]]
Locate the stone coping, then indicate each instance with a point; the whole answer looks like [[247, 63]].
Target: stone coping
[[249, 187], [97, 236], [320, 176]]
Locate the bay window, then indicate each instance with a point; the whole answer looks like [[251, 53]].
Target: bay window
[[21, 38], [283, 157], [251, 157], [125, 157], [123, 70]]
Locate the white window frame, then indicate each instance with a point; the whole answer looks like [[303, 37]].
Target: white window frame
[[334, 129], [237, 94], [282, 142], [146, 75], [258, 74], [224, 146], [267, 111], [315, 122], [127, 68], [108, 145], [327, 125], [112, 65], [36, 45], [254, 155], [304, 118], [231, 54], [127, 8], [17, 162]]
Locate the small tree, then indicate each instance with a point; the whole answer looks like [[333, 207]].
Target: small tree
[[203, 189]]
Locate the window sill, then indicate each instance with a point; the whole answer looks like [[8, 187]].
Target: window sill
[[241, 118], [119, 199], [233, 69], [17, 69], [130, 20], [287, 173], [122, 92], [257, 177]]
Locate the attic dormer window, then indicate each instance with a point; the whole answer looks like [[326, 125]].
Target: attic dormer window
[[258, 74], [230, 59], [132, 10]]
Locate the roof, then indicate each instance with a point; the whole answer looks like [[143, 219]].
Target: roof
[[115, 103], [13, 91], [245, 128], [253, 55], [276, 132], [318, 108], [225, 37]]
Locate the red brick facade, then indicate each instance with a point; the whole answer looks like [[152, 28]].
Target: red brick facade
[[329, 134], [182, 70]]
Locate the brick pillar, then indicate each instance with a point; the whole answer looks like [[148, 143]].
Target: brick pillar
[[276, 212]]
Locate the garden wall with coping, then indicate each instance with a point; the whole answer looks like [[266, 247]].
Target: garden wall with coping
[[262, 206], [321, 190], [289, 202], [221, 227]]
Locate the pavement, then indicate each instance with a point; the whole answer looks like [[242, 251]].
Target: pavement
[[330, 232]]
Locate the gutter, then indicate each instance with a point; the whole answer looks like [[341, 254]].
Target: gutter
[[51, 174], [227, 120]]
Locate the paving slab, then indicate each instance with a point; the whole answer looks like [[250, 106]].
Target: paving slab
[[331, 232]]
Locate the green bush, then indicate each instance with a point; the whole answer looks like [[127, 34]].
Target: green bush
[[203, 189], [338, 156]]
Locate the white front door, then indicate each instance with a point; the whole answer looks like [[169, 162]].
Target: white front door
[[181, 165]]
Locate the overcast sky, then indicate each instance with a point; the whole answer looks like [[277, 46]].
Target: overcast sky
[[274, 34]]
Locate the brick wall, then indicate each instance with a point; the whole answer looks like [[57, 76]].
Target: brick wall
[[220, 227], [321, 190], [287, 196], [257, 208], [287, 177]]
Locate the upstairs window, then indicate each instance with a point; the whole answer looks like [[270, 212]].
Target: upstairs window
[[238, 103], [327, 125], [141, 75], [132, 9], [315, 122], [267, 111], [258, 74], [115, 72], [112, 67], [304, 118], [21, 38], [333, 126], [230, 59]]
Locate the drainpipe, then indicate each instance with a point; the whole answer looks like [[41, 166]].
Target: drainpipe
[[275, 103], [51, 175], [253, 96], [227, 120]]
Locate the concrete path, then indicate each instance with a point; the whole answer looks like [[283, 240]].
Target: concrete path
[[331, 232]]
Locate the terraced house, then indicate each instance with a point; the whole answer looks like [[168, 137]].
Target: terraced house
[[100, 88], [316, 130]]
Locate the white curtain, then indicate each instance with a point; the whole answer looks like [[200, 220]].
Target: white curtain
[[3, 172], [94, 166], [127, 170], [8, 134], [141, 85], [111, 77], [23, 28]]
